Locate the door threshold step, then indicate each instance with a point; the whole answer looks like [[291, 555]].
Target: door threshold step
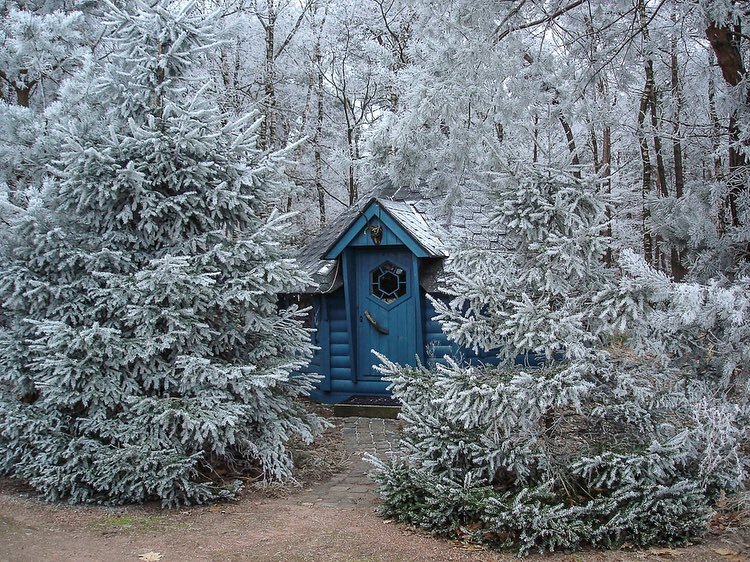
[[344, 410]]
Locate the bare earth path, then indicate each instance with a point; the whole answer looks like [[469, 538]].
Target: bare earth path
[[334, 520]]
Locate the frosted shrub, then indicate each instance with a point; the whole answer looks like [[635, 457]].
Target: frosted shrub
[[553, 458], [627, 433], [144, 355]]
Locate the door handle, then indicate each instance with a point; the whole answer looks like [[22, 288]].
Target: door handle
[[375, 324]]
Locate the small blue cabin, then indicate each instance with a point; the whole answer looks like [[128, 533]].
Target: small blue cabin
[[372, 268]]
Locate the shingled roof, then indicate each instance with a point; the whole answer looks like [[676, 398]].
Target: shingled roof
[[401, 204]]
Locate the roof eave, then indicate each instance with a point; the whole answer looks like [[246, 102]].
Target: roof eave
[[347, 235]]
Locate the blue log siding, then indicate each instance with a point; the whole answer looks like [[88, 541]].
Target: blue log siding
[[324, 342], [335, 359], [341, 348], [314, 320], [348, 296], [437, 344]]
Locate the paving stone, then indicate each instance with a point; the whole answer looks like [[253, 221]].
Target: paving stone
[[353, 486]]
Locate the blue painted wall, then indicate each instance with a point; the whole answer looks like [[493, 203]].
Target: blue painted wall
[[336, 363], [403, 328], [338, 383], [438, 345]]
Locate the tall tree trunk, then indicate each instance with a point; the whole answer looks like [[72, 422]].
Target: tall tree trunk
[[661, 174], [606, 173], [676, 265], [22, 87], [574, 160], [230, 78], [318, 154], [351, 180], [595, 149], [649, 93], [645, 178], [397, 40], [268, 127], [716, 132], [603, 167], [725, 44], [311, 84], [350, 183], [23, 96]]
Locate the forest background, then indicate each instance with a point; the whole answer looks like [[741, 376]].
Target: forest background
[[650, 96]]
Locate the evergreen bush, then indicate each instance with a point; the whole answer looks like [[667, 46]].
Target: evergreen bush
[[144, 355], [611, 440]]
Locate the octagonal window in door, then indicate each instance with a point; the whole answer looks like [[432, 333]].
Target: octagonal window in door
[[388, 282]]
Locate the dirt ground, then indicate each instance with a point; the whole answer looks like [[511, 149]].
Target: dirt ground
[[260, 527]]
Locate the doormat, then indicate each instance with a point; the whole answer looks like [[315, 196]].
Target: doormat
[[372, 401]]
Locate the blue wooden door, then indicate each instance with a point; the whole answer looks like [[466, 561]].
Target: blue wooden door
[[386, 308]]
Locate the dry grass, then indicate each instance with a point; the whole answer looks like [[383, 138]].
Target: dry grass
[[313, 463], [732, 513]]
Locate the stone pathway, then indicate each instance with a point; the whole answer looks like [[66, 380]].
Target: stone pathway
[[352, 486]]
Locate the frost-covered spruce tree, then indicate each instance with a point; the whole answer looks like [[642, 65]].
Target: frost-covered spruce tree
[[534, 295], [597, 446], [145, 355], [702, 330]]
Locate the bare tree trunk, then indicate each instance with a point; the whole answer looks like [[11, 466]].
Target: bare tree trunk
[[226, 79], [23, 96], [230, 78], [662, 187], [594, 149], [574, 160], [350, 184], [303, 125], [603, 167], [645, 178], [357, 154], [718, 174], [649, 95], [318, 155], [678, 269], [725, 44], [21, 87], [606, 173], [499, 132], [267, 128], [397, 40], [661, 174], [352, 187], [567, 129]]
